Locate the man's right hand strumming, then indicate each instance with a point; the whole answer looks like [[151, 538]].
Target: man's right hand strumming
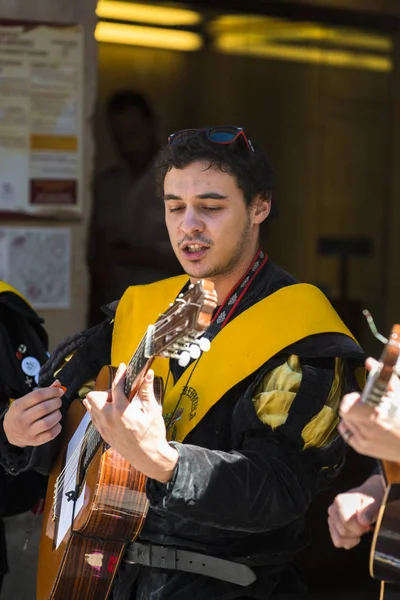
[[35, 418]]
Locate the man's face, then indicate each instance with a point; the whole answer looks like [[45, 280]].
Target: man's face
[[134, 136], [212, 230]]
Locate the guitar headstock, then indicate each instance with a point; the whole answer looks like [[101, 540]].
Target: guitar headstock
[[179, 328], [389, 363], [390, 356]]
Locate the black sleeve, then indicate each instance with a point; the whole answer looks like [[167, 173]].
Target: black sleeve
[[268, 480]]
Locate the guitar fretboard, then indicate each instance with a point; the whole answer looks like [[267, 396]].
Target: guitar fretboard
[[135, 365]]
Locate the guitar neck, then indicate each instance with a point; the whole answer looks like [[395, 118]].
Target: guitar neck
[[138, 365], [374, 389], [135, 371]]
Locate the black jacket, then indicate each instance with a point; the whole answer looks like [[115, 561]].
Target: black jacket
[[240, 490]]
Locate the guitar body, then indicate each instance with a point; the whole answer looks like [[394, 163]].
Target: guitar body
[[385, 550], [112, 513]]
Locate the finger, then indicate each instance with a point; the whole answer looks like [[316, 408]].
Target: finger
[[340, 541], [348, 402], [146, 391], [366, 517], [387, 414], [350, 431], [349, 527], [335, 535], [44, 408], [361, 443], [38, 396], [345, 430], [120, 374], [394, 383], [371, 364], [46, 423], [119, 398], [355, 411], [341, 520], [47, 436], [96, 400], [57, 384]]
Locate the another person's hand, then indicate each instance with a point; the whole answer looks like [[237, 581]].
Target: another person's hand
[[135, 429], [351, 514], [35, 418], [373, 431]]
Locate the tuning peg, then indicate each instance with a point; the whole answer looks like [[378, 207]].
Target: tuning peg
[[194, 350], [204, 344], [184, 359]]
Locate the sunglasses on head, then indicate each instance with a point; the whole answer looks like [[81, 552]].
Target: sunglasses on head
[[219, 135]]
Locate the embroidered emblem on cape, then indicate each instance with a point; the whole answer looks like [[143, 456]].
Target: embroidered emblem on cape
[[193, 398]]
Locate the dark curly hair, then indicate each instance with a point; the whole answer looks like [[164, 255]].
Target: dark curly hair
[[251, 170]]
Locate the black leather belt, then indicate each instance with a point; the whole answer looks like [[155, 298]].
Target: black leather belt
[[169, 557]]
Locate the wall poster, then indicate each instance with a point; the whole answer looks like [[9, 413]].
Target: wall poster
[[36, 261], [41, 114]]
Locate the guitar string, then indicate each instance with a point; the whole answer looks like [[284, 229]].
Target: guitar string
[[89, 435]]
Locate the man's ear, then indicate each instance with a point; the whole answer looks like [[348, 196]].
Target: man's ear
[[260, 209]]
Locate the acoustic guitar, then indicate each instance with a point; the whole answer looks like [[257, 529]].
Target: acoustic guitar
[[96, 501], [385, 550]]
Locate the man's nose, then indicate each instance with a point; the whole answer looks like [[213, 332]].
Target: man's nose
[[191, 222]]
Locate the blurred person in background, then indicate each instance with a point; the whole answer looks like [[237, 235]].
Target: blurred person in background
[[128, 241]]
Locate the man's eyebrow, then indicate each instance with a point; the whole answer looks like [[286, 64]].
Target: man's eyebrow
[[212, 195], [206, 196]]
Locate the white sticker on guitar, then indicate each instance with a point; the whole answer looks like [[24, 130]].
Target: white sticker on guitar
[[67, 508]]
